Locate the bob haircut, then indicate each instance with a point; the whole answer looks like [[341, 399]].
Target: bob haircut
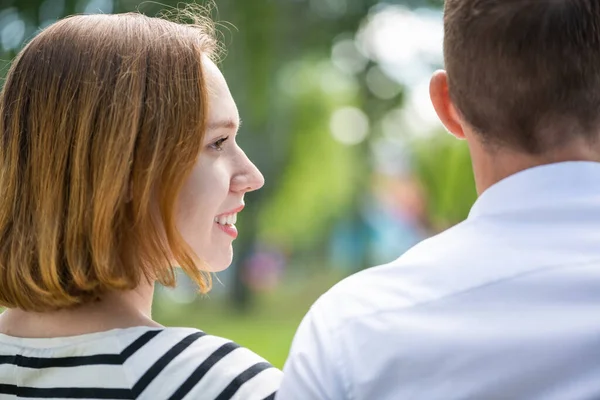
[[102, 120]]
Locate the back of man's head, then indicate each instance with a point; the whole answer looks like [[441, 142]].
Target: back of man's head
[[525, 73]]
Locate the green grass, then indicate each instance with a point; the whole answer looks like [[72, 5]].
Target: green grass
[[267, 328]]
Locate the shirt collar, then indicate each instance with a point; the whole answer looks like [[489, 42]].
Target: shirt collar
[[539, 185]]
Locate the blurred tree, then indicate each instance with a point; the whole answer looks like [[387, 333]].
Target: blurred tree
[[443, 165], [273, 35]]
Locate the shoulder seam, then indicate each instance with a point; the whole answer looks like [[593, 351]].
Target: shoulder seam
[[495, 282]]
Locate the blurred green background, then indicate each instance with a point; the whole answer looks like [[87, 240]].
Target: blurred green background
[[334, 99]]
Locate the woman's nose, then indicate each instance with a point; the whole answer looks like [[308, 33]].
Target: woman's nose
[[248, 178]]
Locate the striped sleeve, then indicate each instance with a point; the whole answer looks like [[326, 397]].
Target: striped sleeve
[[70, 372], [188, 364]]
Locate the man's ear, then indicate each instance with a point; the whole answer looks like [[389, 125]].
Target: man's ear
[[440, 98]]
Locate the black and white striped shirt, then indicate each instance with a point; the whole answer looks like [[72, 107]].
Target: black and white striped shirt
[[134, 363]]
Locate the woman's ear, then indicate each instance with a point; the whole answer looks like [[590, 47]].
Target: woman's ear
[[440, 98]]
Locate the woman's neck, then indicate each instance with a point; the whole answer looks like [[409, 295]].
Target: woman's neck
[[115, 310]]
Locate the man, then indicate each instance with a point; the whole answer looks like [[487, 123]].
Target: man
[[505, 305]]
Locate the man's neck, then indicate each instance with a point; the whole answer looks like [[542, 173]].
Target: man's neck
[[491, 167], [115, 310]]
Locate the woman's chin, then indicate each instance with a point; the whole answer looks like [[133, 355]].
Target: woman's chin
[[221, 262], [219, 268]]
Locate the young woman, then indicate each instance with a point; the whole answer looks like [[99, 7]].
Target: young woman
[[118, 164]]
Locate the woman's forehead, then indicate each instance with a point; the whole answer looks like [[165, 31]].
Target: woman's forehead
[[221, 106]]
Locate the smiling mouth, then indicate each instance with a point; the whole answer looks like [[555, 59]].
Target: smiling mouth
[[226, 222], [226, 219]]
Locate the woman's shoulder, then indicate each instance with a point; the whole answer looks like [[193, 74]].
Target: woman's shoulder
[[142, 363], [179, 362]]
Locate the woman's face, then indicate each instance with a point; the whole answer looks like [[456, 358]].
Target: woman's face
[[214, 193]]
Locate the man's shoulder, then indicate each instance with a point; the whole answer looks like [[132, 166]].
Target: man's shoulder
[[444, 264]]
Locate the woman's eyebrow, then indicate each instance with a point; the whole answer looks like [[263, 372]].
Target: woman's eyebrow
[[225, 124]]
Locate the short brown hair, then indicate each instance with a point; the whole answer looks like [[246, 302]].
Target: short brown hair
[[102, 119], [525, 73]]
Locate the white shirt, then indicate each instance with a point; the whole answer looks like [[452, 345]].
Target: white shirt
[[134, 363], [505, 305]]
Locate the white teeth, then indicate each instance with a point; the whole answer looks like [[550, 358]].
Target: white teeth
[[230, 219]]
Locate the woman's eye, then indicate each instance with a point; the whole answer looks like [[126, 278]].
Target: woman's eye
[[218, 145]]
